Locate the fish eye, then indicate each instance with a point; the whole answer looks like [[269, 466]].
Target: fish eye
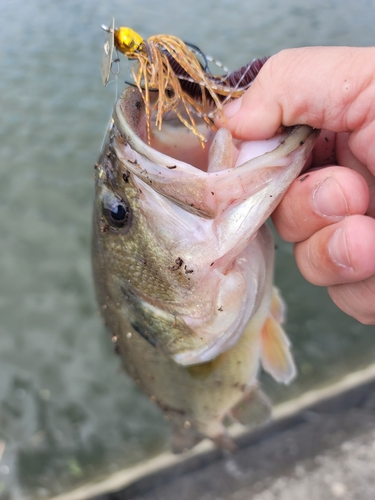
[[116, 211]]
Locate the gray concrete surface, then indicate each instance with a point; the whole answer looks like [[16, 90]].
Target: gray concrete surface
[[324, 453]]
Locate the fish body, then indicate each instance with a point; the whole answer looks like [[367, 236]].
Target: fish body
[[183, 265]]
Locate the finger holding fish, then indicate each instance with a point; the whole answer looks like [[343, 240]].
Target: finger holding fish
[[356, 299], [338, 253], [319, 198], [324, 213], [350, 273], [287, 92]]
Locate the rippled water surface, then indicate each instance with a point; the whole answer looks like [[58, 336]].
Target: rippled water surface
[[66, 413]]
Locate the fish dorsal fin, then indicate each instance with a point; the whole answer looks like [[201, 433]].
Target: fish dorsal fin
[[276, 357]]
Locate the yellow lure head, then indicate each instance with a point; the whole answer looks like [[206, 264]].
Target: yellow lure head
[[127, 41]]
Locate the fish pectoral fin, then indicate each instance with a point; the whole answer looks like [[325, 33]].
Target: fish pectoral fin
[[275, 356], [254, 408]]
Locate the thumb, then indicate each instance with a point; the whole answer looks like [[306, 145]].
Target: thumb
[[324, 87]]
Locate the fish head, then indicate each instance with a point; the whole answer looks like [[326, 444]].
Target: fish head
[[177, 249]]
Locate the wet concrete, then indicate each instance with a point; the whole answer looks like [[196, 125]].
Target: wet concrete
[[326, 451]]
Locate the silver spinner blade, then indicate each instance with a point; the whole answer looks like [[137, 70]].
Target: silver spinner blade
[[108, 51]]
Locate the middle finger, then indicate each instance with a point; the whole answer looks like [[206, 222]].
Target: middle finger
[[319, 198]]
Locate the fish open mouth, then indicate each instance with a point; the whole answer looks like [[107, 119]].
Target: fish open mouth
[[218, 152], [175, 140], [175, 159], [215, 199]]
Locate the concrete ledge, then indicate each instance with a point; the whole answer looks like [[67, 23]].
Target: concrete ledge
[[350, 392]]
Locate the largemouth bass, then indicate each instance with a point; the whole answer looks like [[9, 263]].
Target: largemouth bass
[[183, 265]]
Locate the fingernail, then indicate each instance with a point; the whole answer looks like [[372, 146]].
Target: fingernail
[[338, 249], [232, 107], [329, 199]]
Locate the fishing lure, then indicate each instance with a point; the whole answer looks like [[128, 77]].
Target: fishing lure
[[173, 68]]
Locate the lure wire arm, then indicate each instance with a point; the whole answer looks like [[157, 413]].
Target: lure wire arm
[[116, 61]]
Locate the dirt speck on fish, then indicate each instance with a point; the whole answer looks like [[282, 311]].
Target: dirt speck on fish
[[183, 265]]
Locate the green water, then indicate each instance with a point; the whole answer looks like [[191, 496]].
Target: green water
[[67, 414]]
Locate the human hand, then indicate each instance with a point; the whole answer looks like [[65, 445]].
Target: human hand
[[328, 212]]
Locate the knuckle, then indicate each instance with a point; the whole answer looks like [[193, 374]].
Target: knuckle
[[314, 262]]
